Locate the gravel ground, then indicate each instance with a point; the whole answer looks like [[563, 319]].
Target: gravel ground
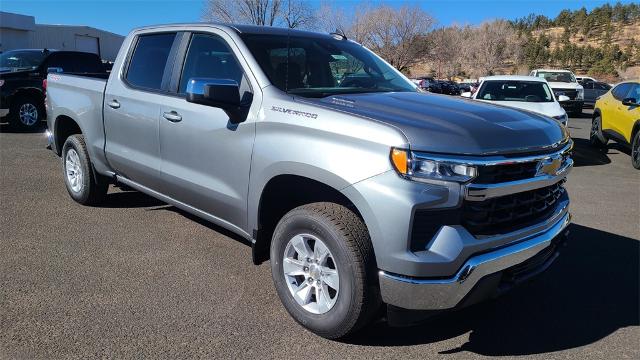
[[137, 278]]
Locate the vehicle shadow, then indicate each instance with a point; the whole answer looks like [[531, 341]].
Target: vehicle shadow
[[5, 127], [587, 155], [590, 292], [129, 199]]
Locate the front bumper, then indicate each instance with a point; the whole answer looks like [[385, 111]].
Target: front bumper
[[446, 293], [4, 112], [572, 105]]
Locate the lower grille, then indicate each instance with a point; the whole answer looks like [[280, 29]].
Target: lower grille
[[511, 212]]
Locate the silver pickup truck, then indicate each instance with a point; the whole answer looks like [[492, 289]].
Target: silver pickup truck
[[362, 190]]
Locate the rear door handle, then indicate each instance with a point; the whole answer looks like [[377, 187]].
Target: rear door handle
[[172, 116], [114, 104]]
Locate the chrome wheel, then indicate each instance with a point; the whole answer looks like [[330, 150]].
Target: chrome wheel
[[28, 114], [73, 170], [635, 151], [311, 273], [595, 128]]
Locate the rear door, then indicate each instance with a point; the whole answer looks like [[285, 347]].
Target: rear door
[[206, 158], [132, 108]]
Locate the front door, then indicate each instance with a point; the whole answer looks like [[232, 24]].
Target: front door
[[206, 158]]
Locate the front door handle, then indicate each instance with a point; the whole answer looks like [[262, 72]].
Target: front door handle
[[114, 104], [172, 116]]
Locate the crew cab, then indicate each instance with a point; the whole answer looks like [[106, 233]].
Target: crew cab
[[22, 89], [563, 82], [361, 190]]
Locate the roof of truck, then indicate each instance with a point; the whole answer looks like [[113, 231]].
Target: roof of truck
[[245, 29]]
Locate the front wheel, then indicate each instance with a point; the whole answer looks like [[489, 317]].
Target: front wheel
[[596, 138], [83, 185], [27, 113], [635, 151], [323, 268]]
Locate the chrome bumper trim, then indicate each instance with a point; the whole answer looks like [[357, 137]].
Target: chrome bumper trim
[[4, 112], [441, 294], [480, 192]]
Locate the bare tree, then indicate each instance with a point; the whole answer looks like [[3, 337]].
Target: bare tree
[[494, 44], [286, 13], [396, 34]]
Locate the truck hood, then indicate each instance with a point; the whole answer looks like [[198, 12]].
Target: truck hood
[[550, 108], [445, 124], [564, 85]]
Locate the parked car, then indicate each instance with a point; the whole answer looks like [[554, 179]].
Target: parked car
[[21, 80], [449, 87], [360, 193], [616, 117], [522, 92], [563, 82], [582, 79], [593, 90], [429, 84]]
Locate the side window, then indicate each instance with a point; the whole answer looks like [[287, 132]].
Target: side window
[[87, 63], [635, 92], [621, 91], [149, 59], [60, 60], [587, 84], [601, 86], [210, 57]]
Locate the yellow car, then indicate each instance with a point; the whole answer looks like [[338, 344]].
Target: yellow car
[[617, 117]]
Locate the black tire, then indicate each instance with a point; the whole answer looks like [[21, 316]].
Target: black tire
[[596, 138], [347, 238], [635, 151], [92, 187], [21, 123]]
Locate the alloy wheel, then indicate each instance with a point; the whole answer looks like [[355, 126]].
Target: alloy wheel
[[28, 114], [311, 273], [73, 170]]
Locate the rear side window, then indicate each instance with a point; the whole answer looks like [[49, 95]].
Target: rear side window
[[149, 60], [75, 62], [621, 91]]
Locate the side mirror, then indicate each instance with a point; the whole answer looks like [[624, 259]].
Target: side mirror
[[54, 70], [563, 98], [220, 93], [629, 102], [466, 94]]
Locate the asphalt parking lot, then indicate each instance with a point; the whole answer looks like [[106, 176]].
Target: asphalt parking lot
[[137, 278]]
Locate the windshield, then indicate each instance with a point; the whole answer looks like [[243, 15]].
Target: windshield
[[21, 59], [319, 67], [529, 91], [557, 76]]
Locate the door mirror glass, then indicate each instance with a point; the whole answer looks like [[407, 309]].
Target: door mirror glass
[[563, 98], [629, 102]]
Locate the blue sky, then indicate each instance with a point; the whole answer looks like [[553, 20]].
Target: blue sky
[[120, 16]]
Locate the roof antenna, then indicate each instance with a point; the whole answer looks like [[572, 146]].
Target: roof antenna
[[339, 34]]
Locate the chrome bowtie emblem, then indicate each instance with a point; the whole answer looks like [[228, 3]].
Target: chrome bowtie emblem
[[549, 166]]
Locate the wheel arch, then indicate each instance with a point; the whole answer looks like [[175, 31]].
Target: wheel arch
[[284, 192], [64, 127]]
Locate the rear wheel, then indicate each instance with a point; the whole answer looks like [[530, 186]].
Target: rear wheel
[[635, 151], [83, 185], [596, 138], [323, 269], [27, 113]]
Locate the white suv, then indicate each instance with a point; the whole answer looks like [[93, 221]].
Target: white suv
[[563, 82]]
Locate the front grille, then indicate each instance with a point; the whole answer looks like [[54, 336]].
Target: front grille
[[511, 212], [571, 93], [507, 172]]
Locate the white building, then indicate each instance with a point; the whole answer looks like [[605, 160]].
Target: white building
[[21, 32]]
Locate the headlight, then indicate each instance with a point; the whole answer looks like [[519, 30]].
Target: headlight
[[422, 167], [580, 94]]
